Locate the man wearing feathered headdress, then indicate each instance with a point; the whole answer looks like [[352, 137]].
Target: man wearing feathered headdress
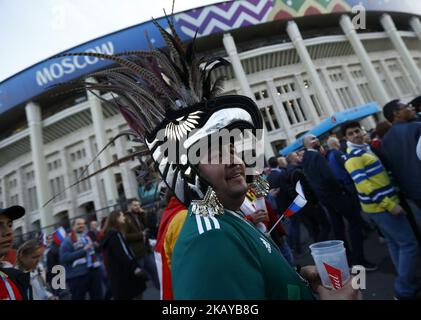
[[172, 104]]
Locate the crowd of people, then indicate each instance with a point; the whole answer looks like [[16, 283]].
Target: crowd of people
[[219, 236], [366, 179], [111, 261], [363, 178]]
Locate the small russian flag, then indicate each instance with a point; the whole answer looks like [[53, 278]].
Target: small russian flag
[[59, 235], [298, 203]]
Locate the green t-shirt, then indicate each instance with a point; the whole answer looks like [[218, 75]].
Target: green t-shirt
[[226, 257]]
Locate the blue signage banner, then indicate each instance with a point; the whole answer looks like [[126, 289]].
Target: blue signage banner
[[211, 19]]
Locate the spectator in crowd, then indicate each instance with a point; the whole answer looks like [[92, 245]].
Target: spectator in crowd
[[381, 129], [380, 201], [170, 226], [93, 233], [336, 160], [29, 256], [53, 259], [137, 240], [77, 255], [313, 215], [336, 199], [399, 148], [416, 103], [277, 180], [127, 278], [282, 163], [14, 284]]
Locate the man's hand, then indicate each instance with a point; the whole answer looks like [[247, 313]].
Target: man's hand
[[346, 293], [259, 216], [397, 210], [88, 246]]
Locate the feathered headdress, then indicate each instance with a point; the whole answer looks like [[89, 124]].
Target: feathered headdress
[[168, 96]]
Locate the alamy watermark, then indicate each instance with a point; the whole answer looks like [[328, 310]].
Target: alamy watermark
[[359, 19]]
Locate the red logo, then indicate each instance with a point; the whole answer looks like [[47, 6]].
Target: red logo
[[333, 119], [335, 276]]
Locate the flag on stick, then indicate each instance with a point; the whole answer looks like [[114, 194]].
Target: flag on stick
[[298, 203]]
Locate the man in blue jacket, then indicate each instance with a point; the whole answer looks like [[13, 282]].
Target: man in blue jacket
[[77, 255], [399, 148], [337, 200]]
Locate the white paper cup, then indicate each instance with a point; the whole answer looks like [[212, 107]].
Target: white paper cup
[[260, 204], [331, 263]]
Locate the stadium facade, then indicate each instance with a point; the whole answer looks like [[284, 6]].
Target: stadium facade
[[300, 60]]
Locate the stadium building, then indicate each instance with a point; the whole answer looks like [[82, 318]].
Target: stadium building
[[300, 60]]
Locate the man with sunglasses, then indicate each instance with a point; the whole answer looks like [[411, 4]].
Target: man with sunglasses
[[399, 147]]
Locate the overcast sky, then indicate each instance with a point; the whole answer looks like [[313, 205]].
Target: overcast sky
[[32, 30]]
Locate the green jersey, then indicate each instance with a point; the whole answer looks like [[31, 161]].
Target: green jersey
[[226, 257]]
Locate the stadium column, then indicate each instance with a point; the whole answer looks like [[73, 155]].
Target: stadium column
[[392, 32], [24, 195], [33, 116], [374, 81], [127, 175], [241, 77], [101, 140], [298, 42], [95, 182], [416, 26]]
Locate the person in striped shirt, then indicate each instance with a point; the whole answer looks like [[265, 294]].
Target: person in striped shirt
[[380, 202]]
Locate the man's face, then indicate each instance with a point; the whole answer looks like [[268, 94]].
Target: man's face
[[135, 207], [6, 235], [313, 142], [355, 135], [227, 180], [80, 225], [294, 158], [405, 113], [93, 225], [282, 162]]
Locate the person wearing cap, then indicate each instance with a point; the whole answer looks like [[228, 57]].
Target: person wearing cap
[[399, 147], [14, 284]]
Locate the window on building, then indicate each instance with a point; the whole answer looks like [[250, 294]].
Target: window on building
[[399, 77], [266, 119], [262, 94], [14, 200], [292, 101], [269, 117], [32, 199], [316, 105], [273, 117], [341, 86]]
